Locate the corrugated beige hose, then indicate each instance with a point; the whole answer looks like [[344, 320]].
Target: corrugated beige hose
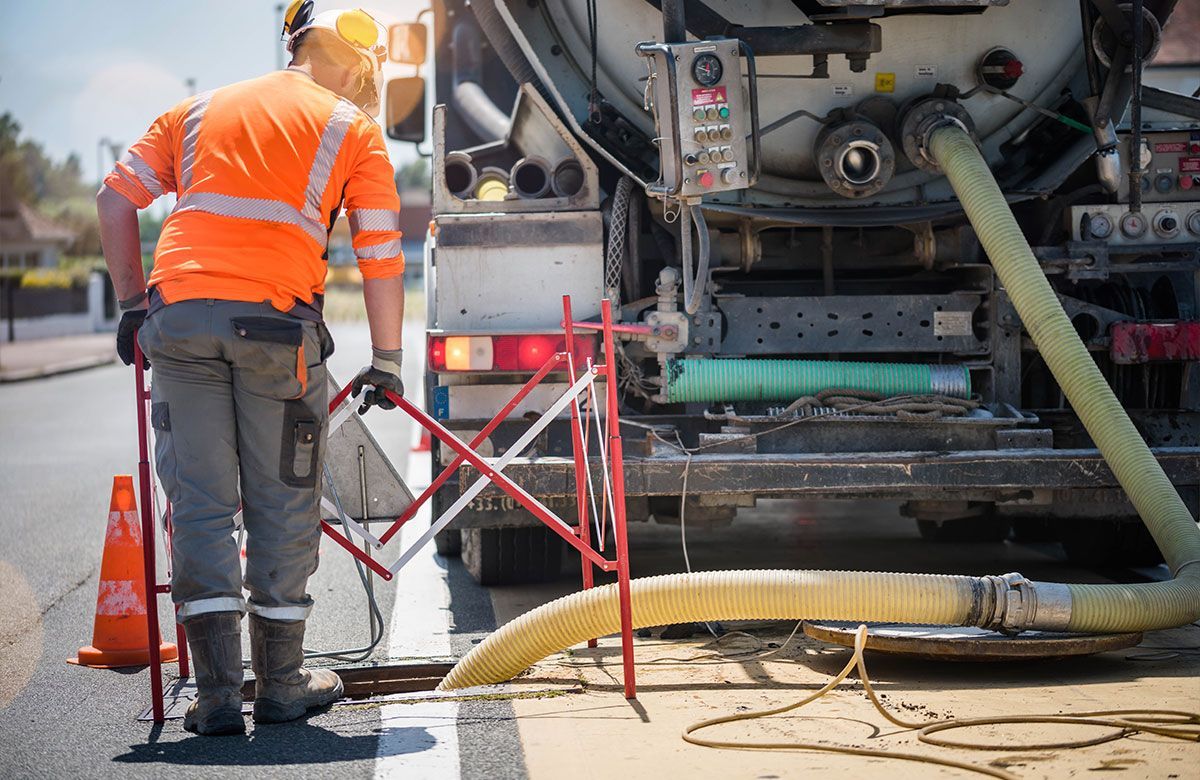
[[1094, 608], [915, 598]]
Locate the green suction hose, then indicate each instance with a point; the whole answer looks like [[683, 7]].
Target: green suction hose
[[1093, 607], [699, 379]]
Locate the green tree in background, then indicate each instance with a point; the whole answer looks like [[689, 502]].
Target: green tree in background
[[413, 176], [56, 189]]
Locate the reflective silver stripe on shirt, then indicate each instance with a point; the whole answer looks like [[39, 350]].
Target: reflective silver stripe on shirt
[[327, 151], [379, 251], [259, 209], [145, 173], [191, 131], [373, 219]]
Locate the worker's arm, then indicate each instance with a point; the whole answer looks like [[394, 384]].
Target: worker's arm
[[143, 173], [121, 241], [384, 299], [373, 210]]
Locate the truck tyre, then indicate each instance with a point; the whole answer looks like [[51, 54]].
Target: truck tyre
[[1108, 542], [511, 556], [448, 543], [969, 529]]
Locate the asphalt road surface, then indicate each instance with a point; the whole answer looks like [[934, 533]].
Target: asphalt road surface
[[64, 438]]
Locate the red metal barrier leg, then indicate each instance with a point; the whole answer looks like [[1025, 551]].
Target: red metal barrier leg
[[154, 637], [181, 642], [618, 477], [579, 448]]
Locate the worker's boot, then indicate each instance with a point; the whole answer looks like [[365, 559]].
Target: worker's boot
[[215, 639], [285, 690]]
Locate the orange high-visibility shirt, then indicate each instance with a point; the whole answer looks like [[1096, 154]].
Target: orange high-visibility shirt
[[261, 168]]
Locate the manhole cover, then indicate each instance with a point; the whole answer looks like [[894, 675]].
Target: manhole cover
[[968, 643]]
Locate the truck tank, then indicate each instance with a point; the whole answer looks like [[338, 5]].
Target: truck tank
[[814, 316]]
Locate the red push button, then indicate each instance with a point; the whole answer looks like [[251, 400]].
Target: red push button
[[1186, 181], [706, 179]]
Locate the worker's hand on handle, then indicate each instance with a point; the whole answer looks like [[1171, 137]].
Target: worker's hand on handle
[[127, 332], [382, 375]]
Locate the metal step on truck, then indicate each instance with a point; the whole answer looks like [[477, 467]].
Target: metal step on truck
[[806, 310]]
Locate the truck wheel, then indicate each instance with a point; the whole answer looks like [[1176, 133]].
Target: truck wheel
[[511, 556], [969, 529], [1108, 542], [448, 543]]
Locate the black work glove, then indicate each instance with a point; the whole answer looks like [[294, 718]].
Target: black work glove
[[383, 374], [127, 332]]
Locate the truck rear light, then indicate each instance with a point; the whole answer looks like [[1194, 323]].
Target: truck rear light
[[523, 353], [1147, 342]]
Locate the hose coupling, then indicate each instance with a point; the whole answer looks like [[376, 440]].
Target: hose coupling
[[1022, 604], [922, 119]]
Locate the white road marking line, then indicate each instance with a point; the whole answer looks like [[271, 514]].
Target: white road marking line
[[419, 740]]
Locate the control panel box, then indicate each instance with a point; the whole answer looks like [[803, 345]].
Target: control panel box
[[1170, 166], [703, 121], [1157, 223]]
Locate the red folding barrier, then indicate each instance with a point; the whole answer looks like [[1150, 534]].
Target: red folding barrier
[[612, 497]]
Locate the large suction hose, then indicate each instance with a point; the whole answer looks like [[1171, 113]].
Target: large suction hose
[[1008, 602], [1093, 607]]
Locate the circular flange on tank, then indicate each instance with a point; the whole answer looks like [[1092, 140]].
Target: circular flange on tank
[[921, 119], [1105, 42], [968, 643], [855, 158]]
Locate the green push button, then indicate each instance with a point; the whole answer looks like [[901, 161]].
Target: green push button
[[724, 112]]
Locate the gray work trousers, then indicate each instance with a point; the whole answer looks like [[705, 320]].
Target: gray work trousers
[[239, 411]]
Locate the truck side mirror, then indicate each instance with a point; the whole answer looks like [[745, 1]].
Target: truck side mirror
[[405, 112], [406, 43]]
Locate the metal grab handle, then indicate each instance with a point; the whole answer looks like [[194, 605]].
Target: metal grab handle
[[755, 134], [648, 49]]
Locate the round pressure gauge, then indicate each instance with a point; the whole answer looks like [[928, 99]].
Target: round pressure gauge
[[706, 69]]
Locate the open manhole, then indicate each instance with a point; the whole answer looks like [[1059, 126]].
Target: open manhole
[[363, 684], [968, 643]]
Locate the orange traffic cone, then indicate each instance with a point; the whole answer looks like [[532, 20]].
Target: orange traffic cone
[[119, 633]]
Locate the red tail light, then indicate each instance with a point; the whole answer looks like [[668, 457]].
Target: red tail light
[[514, 354]]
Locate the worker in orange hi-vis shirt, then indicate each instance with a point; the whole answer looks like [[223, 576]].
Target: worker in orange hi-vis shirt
[[231, 321]]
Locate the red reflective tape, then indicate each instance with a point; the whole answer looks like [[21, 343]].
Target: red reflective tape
[[350, 547], [1146, 342]]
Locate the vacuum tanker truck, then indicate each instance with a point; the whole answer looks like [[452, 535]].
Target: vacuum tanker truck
[[807, 310]]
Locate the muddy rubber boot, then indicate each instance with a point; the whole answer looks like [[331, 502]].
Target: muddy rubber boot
[[284, 689], [215, 639]]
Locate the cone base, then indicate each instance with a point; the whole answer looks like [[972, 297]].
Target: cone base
[[116, 659]]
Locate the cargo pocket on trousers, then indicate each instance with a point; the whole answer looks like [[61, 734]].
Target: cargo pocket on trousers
[[269, 356], [164, 449], [301, 446]]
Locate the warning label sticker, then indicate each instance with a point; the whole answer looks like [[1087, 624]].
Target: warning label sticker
[[1171, 147], [703, 97], [952, 323], [885, 82], [1189, 164]]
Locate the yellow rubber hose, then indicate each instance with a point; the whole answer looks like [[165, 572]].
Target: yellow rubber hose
[[1094, 608], [915, 598], [721, 595]]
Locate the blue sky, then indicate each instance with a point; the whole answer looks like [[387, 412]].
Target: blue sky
[[75, 71]]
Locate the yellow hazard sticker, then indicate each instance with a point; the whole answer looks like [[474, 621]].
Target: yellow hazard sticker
[[885, 82]]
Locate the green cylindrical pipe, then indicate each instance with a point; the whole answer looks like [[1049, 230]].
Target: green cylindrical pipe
[[1094, 607], [701, 379]]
